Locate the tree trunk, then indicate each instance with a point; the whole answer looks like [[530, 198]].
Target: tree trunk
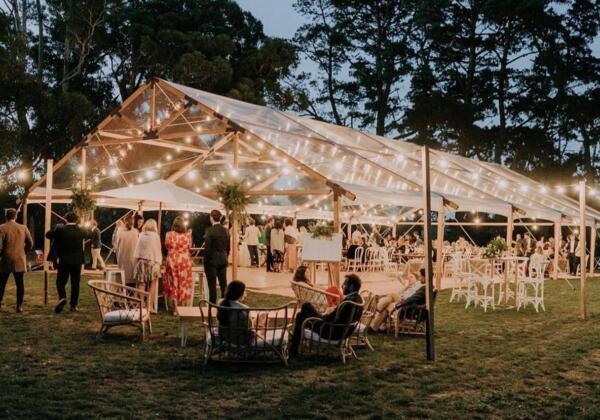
[[40, 64], [500, 143]]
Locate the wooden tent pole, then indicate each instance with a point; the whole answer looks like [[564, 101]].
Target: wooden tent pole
[[24, 212], [426, 188], [582, 238], [47, 223], [557, 241], [592, 248], [160, 207], [234, 222], [337, 228], [510, 225], [439, 262]]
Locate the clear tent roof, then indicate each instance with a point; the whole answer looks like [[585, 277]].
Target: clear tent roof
[[195, 139]]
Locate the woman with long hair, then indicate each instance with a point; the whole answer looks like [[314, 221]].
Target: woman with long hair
[[177, 280], [234, 325], [127, 239], [148, 257]]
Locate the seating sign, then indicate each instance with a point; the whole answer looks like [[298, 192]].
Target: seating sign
[[326, 250]]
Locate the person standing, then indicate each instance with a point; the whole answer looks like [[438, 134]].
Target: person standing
[[127, 238], [68, 239], [148, 257], [252, 234], [268, 227], [96, 247], [216, 251], [15, 240], [277, 246], [572, 255], [177, 280]]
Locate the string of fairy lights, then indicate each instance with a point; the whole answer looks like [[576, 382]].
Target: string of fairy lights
[[355, 160]]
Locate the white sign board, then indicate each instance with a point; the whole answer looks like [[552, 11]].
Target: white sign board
[[327, 250]]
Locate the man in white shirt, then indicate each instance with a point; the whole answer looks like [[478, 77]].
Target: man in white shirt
[[252, 234]]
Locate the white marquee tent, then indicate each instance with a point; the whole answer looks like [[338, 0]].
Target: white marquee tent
[[290, 165]]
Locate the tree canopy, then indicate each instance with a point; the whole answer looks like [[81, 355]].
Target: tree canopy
[[510, 81]]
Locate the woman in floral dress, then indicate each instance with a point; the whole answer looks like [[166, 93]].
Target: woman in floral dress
[[177, 280]]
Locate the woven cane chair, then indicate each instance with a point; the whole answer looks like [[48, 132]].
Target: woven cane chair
[[304, 292], [121, 305], [252, 334], [361, 334], [320, 337], [412, 319]]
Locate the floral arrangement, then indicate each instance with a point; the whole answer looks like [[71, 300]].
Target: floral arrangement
[[234, 199], [495, 248], [82, 203], [321, 231]]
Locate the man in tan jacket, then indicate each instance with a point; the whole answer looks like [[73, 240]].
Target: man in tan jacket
[[15, 240]]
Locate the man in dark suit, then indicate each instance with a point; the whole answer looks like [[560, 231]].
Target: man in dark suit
[[351, 289], [572, 256], [68, 240], [15, 240], [268, 227], [216, 251]]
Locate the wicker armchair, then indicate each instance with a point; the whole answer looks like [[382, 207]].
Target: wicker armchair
[[121, 305], [320, 337], [361, 334], [412, 319], [304, 292], [250, 335]]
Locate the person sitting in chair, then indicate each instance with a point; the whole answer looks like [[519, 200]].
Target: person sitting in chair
[[351, 288], [412, 294], [301, 275], [234, 326]]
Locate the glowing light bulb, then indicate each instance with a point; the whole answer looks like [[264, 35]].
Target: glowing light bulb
[[560, 189]]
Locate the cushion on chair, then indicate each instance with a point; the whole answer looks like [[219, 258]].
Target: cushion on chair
[[360, 329], [273, 338], [125, 315], [313, 336]]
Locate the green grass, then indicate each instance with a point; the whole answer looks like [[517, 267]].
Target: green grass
[[495, 364]]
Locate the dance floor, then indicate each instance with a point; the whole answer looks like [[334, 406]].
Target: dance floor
[[259, 280]]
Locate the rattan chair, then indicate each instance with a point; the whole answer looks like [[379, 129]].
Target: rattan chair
[[251, 335], [412, 319], [361, 334], [320, 337], [121, 305], [304, 292]]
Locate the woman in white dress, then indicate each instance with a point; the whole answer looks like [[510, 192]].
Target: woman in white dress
[[291, 246], [127, 239]]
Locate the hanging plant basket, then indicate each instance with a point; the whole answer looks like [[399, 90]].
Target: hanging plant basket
[[234, 199], [82, 203]]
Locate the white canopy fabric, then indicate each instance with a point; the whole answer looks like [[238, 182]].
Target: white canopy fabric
[[378, 196], [392, 165], [152, 194]]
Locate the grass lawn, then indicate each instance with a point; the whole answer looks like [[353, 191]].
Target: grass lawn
[[495, 364]]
